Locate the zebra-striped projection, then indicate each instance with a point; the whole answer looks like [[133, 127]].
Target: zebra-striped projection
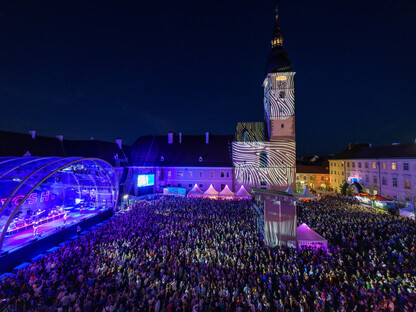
[[271, 163], [279, 96]]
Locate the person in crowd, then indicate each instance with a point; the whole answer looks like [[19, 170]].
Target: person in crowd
[[179, 254]]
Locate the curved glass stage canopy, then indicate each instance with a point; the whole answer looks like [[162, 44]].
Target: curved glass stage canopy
[[39, 195]]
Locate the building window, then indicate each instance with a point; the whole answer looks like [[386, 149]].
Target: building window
[[222, 175], [169, 173], [297, 177], [353, 164], [245, 135], [228, 174], [263, 159], [348, 164], [200, 159], [322, 178], [222, 186], [201, 185], [162, 158], [375, 180], [374, 165], [200, 174], [179, 185], [304, 177], [311, 178], [212, 174], [366, 165], [282, 94], [179, 174], [335, 180], [367, 178], [331, 172], [407, 183], [263, 183], [189, 185], [406, 166], [384, 180], [190, 173], [282, 126], [359, 165], [384, 166], [395, 182], [335, 172], [393, 166]]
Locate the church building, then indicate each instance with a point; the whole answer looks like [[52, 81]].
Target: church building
[[259, 154]]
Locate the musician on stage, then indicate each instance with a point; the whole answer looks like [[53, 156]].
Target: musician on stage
[[65, 217], [35, 228]]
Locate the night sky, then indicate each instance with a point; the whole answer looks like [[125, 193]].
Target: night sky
[[113, 69]]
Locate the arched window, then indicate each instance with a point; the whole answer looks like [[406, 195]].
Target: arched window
[[245, 135], [264, 161]]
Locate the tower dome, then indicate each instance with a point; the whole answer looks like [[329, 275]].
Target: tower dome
[[277, 60]]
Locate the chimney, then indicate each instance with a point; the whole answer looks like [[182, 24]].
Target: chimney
[[92, 138], [170, 137], [60, 137], [180, 137], [206, 137], [33, 133], [119, 143]]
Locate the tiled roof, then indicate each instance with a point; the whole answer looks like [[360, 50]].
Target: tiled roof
[[364, 151], [17, 144], [156, 151], [256, 131], [312, 169]]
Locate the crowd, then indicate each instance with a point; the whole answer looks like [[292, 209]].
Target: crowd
[[177, 254]]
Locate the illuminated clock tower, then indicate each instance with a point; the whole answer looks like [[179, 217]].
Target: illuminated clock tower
[[279, 105]]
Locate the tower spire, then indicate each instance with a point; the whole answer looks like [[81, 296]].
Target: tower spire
[[277, 11]]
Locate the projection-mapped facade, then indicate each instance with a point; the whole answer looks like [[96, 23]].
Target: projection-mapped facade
[[264, 154]]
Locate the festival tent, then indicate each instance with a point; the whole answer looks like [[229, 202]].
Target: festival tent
[[195, 191], [307, 195], [242, 193], [309, 238], [291, 192], [226, 193], [210, 192]]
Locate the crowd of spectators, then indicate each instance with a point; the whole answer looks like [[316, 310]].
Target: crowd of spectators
[[178, 254]]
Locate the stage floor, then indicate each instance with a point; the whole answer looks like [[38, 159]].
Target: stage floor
[[26, 237]]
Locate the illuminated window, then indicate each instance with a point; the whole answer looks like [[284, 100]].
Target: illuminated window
[[169, 173], [374, 165], [406, 166], [190, 173], [281, 78], [395, 182], [179, 174], [393, 166], [384, 165], [366, 165], [407, 183], [304, 177]]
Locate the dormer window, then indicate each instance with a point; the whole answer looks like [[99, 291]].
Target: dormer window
[[162, 158], [200, 159], [245, 136]]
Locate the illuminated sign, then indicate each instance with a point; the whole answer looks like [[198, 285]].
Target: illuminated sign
[[145, 180]]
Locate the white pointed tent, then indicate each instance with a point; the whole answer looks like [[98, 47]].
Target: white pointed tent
[[307, 195], [226, 193], [211, 192], [291, 192], [309, 238], [195, 192], [242, 193]]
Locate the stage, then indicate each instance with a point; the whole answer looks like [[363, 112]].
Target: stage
[[24, 246]]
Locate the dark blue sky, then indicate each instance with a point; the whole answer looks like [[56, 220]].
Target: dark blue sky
[[128, 68]]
